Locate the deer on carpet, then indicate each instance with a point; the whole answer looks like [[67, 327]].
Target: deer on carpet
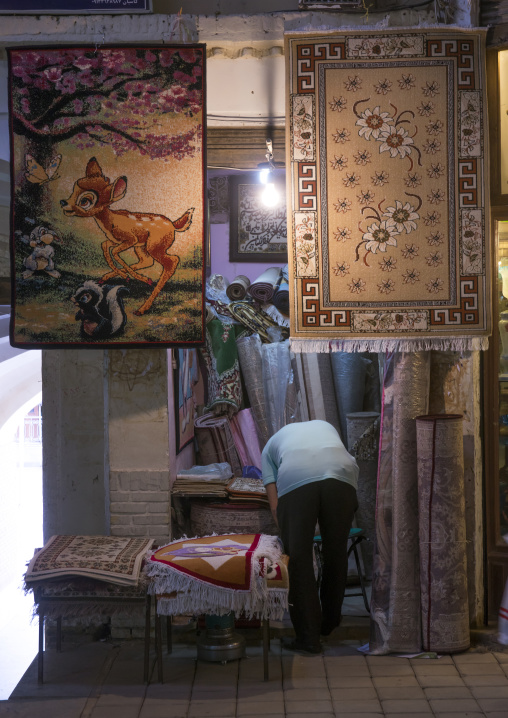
[[149, 235]]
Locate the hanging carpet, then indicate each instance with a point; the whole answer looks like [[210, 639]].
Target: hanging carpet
[[387, 149], [108, 195]]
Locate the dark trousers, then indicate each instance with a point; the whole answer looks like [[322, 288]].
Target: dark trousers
[[332, 503]]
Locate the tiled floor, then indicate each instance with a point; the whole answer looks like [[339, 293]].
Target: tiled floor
[[104, 680]]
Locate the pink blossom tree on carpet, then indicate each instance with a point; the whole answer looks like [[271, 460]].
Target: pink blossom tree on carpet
[[107, 96]]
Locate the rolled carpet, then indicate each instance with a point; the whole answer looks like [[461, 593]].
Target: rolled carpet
[[215, 442], [280, 297], [442, 529], [237, 290], [263, 288]]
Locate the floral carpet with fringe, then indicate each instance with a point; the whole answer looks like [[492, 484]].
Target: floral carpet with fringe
[[387, 148]]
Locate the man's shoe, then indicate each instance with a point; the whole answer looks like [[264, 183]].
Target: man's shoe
[[303, 648]]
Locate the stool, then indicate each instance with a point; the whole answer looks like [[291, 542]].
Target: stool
[[53, 597], [265, 628], [356, 536]]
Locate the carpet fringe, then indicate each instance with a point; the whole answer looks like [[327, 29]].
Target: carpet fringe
[[414, 344], [195, 596]]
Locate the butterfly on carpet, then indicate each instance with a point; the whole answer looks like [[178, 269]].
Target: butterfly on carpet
[[37, 174]]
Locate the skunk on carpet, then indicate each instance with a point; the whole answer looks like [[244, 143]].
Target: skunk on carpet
[[100, 309]]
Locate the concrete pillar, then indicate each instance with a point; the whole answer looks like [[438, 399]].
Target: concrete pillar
[[74, 481], [138, 438]]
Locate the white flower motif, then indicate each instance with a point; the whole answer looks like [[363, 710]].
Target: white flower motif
[[435, 238], [342, 234], [412, 180], [436, 196], [366, 197], [435, 286], [380, 235], [342, 205], [396, 141], [434, 259], [425, 109], [407, 82], [431, 147], [362, 157], [339, 163], [342, 136], [352, 84], [351, 179], [402, 216], [373, 122], [356, 286], [383, 87], [431, 89], [386, 286], [411, 276], [388, 264], [341, 269], [380, 178], [435, 171], [410, 251], [432, 218], [435, 127], [338, 104]]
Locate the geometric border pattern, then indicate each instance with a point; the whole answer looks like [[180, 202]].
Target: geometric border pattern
[[466, 312]]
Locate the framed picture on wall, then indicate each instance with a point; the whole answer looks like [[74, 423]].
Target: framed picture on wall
[[257, 233]]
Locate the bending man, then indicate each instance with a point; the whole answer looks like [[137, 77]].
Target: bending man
[[310, 478]]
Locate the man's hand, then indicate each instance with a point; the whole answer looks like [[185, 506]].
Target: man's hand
[[271, 492]]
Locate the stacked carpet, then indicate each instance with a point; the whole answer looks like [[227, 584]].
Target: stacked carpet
[[210, 480], [442, 529], [215, 442], [247, 490], [240, 517]]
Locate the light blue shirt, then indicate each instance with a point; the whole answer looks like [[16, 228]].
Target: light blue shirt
[[308, 451]]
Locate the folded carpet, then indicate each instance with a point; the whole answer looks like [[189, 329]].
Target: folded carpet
[[114, 559], [218, 575]]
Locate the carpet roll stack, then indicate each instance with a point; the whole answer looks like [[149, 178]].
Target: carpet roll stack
[[280, 297], [395, 603], [263, 288], [237, 290], [251, 364], [363, 444], [442, 530]]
